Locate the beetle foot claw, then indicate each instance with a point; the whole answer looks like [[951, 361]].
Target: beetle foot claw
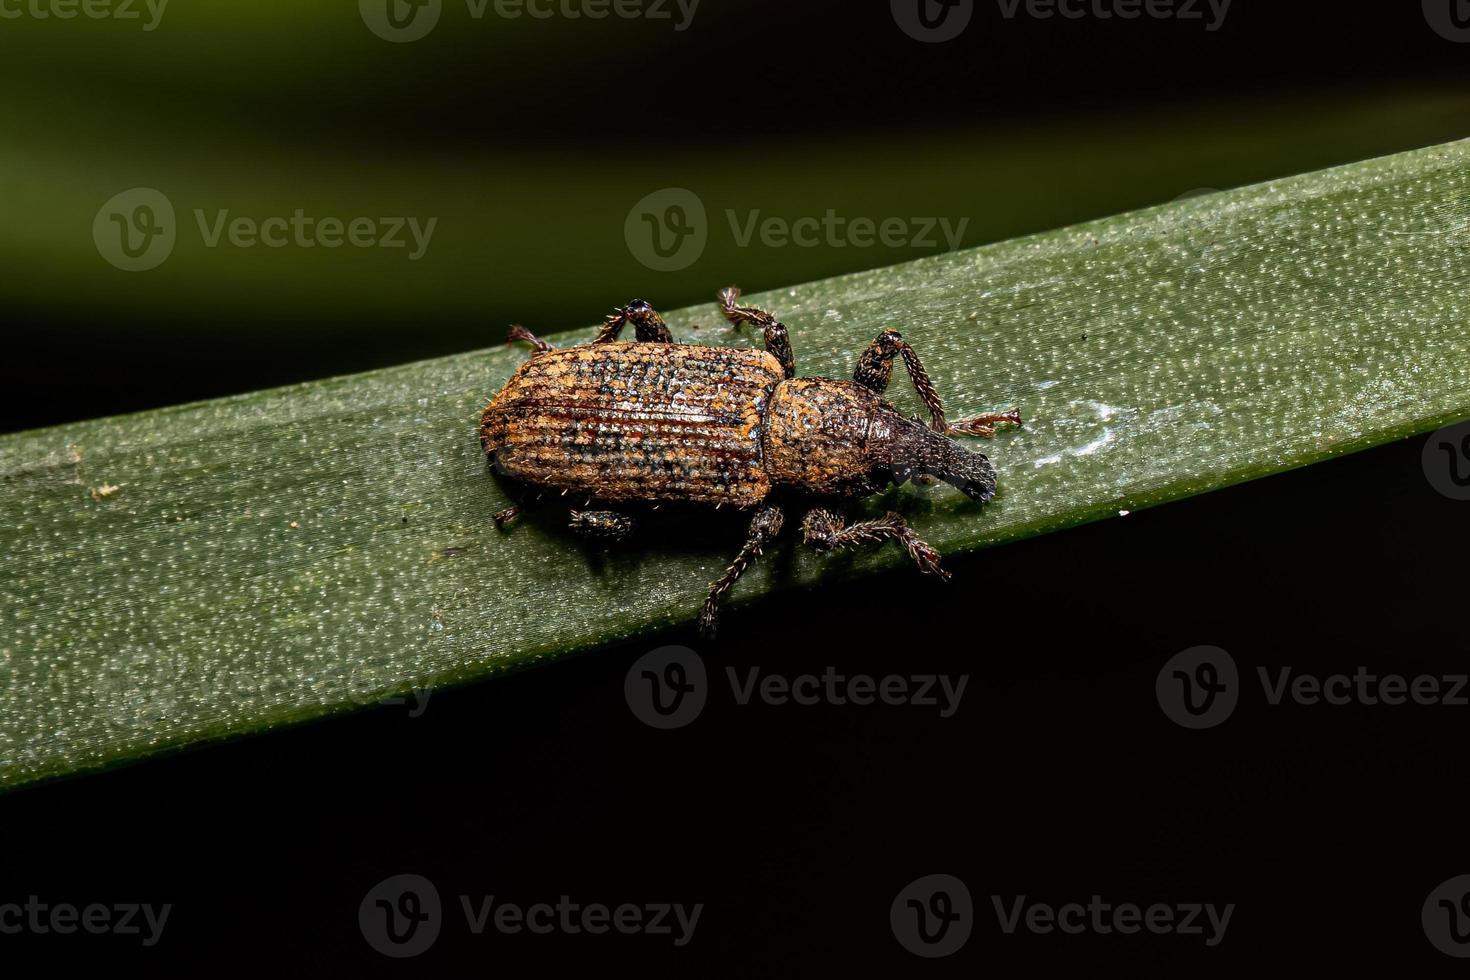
[[983, 425], [928, 561], [819, 529], [709, 619]]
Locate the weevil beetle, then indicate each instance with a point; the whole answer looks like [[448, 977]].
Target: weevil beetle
[[620, 423]]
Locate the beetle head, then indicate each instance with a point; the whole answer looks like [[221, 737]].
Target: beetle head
[[916, 450]]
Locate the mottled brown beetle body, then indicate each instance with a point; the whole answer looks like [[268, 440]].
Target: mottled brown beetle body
[[628, 421], [651, 420]]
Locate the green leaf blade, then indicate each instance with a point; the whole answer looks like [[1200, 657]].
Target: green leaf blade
[[289, 554]]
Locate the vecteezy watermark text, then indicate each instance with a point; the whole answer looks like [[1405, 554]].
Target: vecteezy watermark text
[[936, 21], [137, 230], [668, 230], [681, 12], [402, 21], [1104, 918], [147, 12], [402, 916], [933, 916], [63, 918], [304, 231], [1201, 687], [832, 687], [571, 918], [669, 687], [832, 230], [1184, 10], [1362, 687]]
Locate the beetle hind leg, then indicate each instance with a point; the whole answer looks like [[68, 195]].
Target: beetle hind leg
[[778, 341], [764, 527], [825, 531]]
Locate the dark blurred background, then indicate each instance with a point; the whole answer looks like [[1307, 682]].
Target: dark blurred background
[[534, 144], [529, 141]]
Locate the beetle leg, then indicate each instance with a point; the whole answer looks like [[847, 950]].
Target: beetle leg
[[824, 530], [983, 425], [875, 371], [602, 525], [778, 342], [764, 527], [648, 326], [519, 332], [513, 513]]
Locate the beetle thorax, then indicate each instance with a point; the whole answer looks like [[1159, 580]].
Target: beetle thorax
[[819, 436], [839, 439]]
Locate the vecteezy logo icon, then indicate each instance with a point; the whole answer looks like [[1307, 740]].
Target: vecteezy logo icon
[[400, 21], [667, 688], [933, 21], [1449, 18], [1446, 917], [1199, 687], [1447, 461], [135, 230], [667, 230], [400, 916], [933, 916]]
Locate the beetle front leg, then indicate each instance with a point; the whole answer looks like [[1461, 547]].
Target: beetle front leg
[[824, 530], [648, 326], [764, 527], [875, 372], [983, 425], [778, 342], [602, 525]]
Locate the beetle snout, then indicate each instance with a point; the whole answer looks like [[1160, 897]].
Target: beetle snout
[[970, 473], [921, 452], [977, 490]]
